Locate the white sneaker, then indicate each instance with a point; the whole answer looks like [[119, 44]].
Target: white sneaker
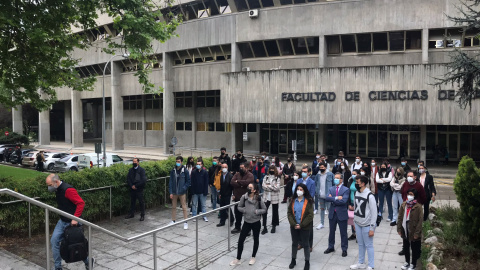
[[411, 267], [369, 268], [235, 262], [205, 218], [171, 222], [405, 266], [195, 220], [388, 220], [185, 226], [315, 212], [358, 266], [319, 227], [252, 261], [326, 212]]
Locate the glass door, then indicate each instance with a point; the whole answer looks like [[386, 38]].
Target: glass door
[[398, 144], [448, 142], [283, 142], [311, 141], [300, 141], [453, 145], [358, 143]]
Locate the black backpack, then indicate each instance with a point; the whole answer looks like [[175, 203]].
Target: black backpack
[[74, 246]]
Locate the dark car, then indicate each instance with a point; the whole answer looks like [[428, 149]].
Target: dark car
[[5, 151], [14, 159]]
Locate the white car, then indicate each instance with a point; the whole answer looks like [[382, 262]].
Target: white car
[[91, 160], [50, 159]]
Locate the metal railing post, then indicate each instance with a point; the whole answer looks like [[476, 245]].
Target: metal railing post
[[47, 237], [90, 248], [228, 226], [110, 202], [165, 194], [155, 251], [29, 221], [196, 243]]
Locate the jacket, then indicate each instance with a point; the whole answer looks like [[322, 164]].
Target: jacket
[[338, 206], [252, 209], [429, 186], [259, 173], [421, 197], [179, 184], [373, 180], [397, 186], [199, 182], [383, 180], [211, 174], [310, 186], [307, 215], [271, 188], [240, 183], [136, 177], [328, 183], [414, 224], [225, 188], [236, 163], [226, 159]]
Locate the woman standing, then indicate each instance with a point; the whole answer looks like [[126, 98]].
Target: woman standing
[[300, 217], [397, 200], [271, 194], [189, 166], [351, 202], [409, 227], [345, 171], [383, 178], [288, 171], [252, 207], [427, 182]]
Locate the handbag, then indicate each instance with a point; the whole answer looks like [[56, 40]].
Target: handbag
[[351, 214]]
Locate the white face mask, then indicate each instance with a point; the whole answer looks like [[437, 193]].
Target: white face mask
[[224, 170], [317, 157], [410, 198], [357, 160], [299, 193], [373, 164], [362, 173], [410, 179], [343, 167], [295, 177]]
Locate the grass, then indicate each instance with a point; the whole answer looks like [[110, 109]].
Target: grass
[[18, 173]]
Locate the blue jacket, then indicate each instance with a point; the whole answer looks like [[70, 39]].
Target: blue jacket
[[259, 173], [179, 185], [338, 206], [310, 186], [199, 182], [328, 183]]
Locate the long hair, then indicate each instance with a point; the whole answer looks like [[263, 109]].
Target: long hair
[[190, 162], [306, 193], [256, 194], [346, 167], [274, 168]]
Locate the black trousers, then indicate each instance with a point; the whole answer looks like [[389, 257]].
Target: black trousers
[[134, 195], [40, 166], [238, 217], [301, 237], [342, 225], [224, 213], [416, 247], [426, 209], [246, 228], [275, 218]]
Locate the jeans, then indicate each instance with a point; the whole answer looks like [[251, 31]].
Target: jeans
[[381, 198], [57, 237], [214, 196], [300, 237], [316, 202], [323, 205], [275, 218], [365, 242], [195, 199], [246, 228], [396, 201]]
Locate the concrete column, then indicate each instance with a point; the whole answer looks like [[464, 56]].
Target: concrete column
[[17, 119], [423, 144], [68, 121], [117, 106], [259, 132], [236, 58], [194, 120], [321, 138], [236, 137], [44, 127], [77, 120], [233, 7], [95, 118], [168, 101], [322, 52], [425, 46], [144, 121]]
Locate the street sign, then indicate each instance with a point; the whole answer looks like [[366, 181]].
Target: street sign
[[98, 148], [6, 133], [245, 136]]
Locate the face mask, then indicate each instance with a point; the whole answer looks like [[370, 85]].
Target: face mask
[[299, 193], [383, 169], [199, 167], [362, 173], [271, 172], [214, 163], [322, 170], [404, 163], [304, 174], [288, 160], [239, 155], [254, 160], [317, 157], [295, 177], [250, 191], [336, 181], [410, 198], [357, 186], [52, 189], [135, 165], [373, 164], [259, 163], [343, 167], [421, 171], [357, 160], [263, 156], [178, 164], [418, 166], [225, 170], [354, 176], [410, 179]]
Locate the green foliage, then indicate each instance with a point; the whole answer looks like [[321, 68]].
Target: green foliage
[[467, 189], [14, 217], [14, 138], [18, 172], [37, 43]]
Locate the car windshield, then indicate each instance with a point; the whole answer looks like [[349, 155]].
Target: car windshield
[[67, 158]]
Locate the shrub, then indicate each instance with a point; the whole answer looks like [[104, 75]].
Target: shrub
[[14, 217], [13, 138], [467, 189]]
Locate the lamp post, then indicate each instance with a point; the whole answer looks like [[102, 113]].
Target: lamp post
[[104, 143]]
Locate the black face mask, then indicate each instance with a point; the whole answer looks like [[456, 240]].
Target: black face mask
[[249, 191], [383, 169], [288, 160], [135, 165], [260, 163], [357, 186], [271, 172], [242, 172], [322, 170]]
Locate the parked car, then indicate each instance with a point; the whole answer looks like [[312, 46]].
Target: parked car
[[14, 158], [30, 159], [6, 150], [90, 160], [50, 159], [67, 163]]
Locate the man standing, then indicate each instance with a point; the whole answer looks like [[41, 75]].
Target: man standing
[[259, 173], [199, 188], [177, 187], [323, 183], [357, 165], [136, 181], [224, 158], [413, 183], [18, 152], [40, 161], [239, 159], [68, 201], [240, 182], [211, 181], [226, 194], [404, 165], [338, 197]]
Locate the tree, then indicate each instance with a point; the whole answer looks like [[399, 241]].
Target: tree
[[464, 70], [37, 41]]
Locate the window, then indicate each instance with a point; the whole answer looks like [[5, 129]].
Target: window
[[364, 42], [116, 158], [108, 104], [285, 46], [154, 125], [272, 48], [179, 126], [132, 102], [281, 47], [413, 40], [213, 126], [348, 43], [183, 99], [74, 159], [258, 49], [202, 55], [154, 101], [241, 5], [188, 126], [201, 126], [208, 98], [333, 44], [132, 125], [126, 126], [397, 42], [251, 127], [380, 42], [220, 126], [436, 38]]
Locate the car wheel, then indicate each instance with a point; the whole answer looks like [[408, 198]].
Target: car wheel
[[50, 167], [73, 169]]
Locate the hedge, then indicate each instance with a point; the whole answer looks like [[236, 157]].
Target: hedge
[[14, 217], [14, 138]]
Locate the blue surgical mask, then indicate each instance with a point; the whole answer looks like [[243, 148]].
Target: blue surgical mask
[[199, 167], [418, 166], [214, 163], [304, 174], [336, 181], [404, 163], [354, 176], [178, 164]]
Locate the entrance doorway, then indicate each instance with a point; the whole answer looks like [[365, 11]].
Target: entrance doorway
[[279, 141], [399, 144], [358, 143], [449, 142]]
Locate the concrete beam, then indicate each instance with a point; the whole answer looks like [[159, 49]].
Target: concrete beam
[[233, 7], [236, 58], [425, 46], [168, 101], [17, 119], [68, 121], [44, 127], [117, 106], [322, 53], [77, 120]]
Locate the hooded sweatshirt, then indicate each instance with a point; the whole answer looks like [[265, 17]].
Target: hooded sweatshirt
[[365, 209]]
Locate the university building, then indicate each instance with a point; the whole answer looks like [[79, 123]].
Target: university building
[[351, 75]]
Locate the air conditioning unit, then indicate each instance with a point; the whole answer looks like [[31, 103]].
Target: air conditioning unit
[[253, 13], [246, 69]]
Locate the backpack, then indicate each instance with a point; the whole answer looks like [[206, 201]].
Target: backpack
[[74, 246]]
